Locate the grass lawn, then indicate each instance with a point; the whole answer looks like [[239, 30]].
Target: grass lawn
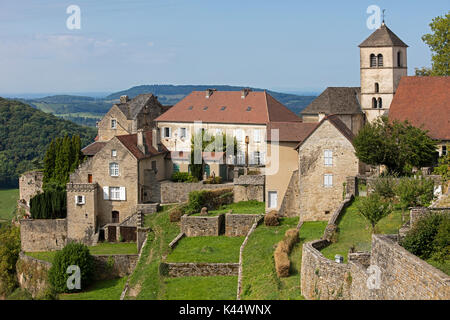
[[354, 230], [8, 203], [243, 207], [200, 288], [145, 282], [206, 249], [444, 267], [100, 290], [101, 248], [259, 276]]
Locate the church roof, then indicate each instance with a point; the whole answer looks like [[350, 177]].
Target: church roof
[[336, 100], [424, 102], [132, 107], [383, 37]]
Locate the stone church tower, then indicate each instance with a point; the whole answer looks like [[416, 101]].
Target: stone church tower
[[383, 63]]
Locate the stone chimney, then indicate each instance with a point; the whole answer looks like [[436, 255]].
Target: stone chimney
[[124, 99], [244, 92], [209, 92], [155, 138], [141, 140]]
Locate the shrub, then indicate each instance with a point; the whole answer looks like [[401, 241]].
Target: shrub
[[291, 238], [211, 199], [373, 208], [183, 177], [49, 205], [9, 254], [282, 263], [441, 242], [213, 180], [385, 187], [420, 239], [271, 218], [415, 192], [72, 254], [175, 215], [443, 168]]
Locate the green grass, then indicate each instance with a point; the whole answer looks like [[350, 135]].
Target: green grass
[[8, 203], [354, 230], [206, 249], [145, 282], [443, 266], [101, 248], [200, 288], [243, 207], [19, 294], [99, 290], [260, 280]]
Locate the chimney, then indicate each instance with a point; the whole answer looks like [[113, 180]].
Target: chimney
[[141, 140], [244, 92], [155, 138], [124, 99], [209, 92]]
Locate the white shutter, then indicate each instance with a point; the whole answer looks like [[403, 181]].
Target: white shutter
[[76, 200], [122, 193], [83, 199], [106, 193], [256, 136]]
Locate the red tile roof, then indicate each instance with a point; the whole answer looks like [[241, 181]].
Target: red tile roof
[[130, 142], [256, 108], [93, 148], [291, 131], [424, 102]]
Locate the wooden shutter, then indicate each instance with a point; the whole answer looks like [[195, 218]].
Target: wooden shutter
[[122, 193]]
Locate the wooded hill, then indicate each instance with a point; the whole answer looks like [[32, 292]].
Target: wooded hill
[[25, 134]]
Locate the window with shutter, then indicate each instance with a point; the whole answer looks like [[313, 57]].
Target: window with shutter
[[122, 193], [114, 193]]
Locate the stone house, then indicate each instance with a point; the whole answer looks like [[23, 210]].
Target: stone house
[[30, 184], [326, 157], [243, 114], [425, 103]]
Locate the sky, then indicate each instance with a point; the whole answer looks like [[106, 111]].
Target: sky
[[282, 45]]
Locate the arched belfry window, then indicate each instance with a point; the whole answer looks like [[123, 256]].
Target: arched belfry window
[[380, 60], [380, 103], [374, 103], [373, 60], [399, 59], [377, 87]]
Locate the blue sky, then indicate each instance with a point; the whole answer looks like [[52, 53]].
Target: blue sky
[[282, 45]]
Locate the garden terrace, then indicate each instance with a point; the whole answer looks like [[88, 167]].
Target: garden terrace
[[242, 207], [200, 288]]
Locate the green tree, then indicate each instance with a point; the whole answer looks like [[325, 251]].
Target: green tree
[[439, 42], [373, 208], [443, 168], [9, 253], [397, 145]]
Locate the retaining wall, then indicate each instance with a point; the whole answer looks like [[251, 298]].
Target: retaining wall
[[43, 234], [176, 192], [199, 269], [201, 226], [237, 225]]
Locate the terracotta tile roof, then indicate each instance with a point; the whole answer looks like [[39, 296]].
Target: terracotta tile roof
[[337, 123], [130, 142], [291, 131], [336, 100], [93, 148], [383, 37], [228, 107], [424, 102]]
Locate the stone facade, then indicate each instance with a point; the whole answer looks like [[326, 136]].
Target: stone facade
[[291, 201], [249, 187], [202, 226], [43, 234], [237, 225], [318, 200], [199, 269], [30, 184], [403, 276], [114, 266]]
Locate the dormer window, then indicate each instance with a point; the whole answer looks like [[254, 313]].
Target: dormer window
[[380, 60], [249, 109], [223, 108], [190, 107], [113, 124], [205, 108]]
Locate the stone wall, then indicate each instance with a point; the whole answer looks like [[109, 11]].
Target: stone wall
[[114, 266], [177, 192], [249, 187], [237, 225], [30, 184], [43, 234], [199, 269], [147, 208], [418, 213], [403, 276], [290, 203], [32, 274], [201, 226]]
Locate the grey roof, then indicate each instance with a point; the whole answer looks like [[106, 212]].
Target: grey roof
[[336, 100], [383, 37], [132, 108]]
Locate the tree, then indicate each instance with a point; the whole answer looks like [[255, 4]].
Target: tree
[[443, 168], [373, 208], [397, 145], [9, 253], [439, 42]]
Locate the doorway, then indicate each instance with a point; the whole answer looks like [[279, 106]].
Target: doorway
[[115, 217], [273, 197]]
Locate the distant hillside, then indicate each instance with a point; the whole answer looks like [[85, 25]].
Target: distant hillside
[[171, 94], [24, 136]]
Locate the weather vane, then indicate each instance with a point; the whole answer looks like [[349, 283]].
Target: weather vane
[[383, 14]]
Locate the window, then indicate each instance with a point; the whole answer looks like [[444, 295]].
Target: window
[[373, 60], [115, 217], [117, 193], [444, 150], [374, 103], [377, 87], [114, 169], [113, 153], [89, 178], [239, 135], [113, 124], [256, 157], [328, 157], [380, 103], [273, 197], [328, 180], [176, 167], [399, 59], [167, 132], [256, 135], [154, 166], [380, 60], [241, 158], [80, 200], [182, 133]]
